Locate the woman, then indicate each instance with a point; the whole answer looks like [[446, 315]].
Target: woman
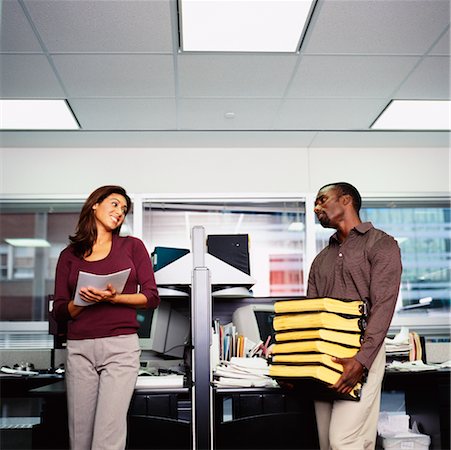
[[102, 344]]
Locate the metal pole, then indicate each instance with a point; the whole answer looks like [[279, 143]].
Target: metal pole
[[202, 417]]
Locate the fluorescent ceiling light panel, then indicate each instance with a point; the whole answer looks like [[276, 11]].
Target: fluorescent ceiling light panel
[[36, 115], [24, 242], [415, 115], [243, 25]]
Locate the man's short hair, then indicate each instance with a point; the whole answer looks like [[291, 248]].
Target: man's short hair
[[348, 189]]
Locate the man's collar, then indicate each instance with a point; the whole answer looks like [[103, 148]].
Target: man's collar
[[361, 228]]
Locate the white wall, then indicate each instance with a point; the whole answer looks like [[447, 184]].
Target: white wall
[[223, 170]]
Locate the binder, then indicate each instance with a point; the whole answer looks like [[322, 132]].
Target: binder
[[306, 358], [351, 307], [315, 320], [317, 345], [308, 333], [318, 372], [340, 337]]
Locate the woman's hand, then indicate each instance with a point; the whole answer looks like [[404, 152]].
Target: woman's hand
[[93, 295]]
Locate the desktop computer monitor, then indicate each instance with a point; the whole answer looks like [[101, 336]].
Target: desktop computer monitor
[[163, 330], [255, 321]]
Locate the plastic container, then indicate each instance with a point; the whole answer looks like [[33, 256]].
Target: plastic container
[[407, 440]]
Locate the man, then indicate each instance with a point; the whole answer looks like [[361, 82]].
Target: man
[[364, 263]]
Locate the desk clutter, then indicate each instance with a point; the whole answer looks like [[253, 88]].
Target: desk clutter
[[236, 360], [404, 346], [309, 333], [243, 372]]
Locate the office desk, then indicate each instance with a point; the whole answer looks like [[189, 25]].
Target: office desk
[[263, 418], [157, 418], [244, 418], [19, 385], [427, 399], [278, 419]]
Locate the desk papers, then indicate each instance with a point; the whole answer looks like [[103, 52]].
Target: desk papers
[[86, 279], [159, 381], [243, 372]]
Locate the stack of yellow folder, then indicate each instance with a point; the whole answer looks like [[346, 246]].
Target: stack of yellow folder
[[310, 332]]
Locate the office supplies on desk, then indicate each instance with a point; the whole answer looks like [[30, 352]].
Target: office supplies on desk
[[243, 372], [10, 371]]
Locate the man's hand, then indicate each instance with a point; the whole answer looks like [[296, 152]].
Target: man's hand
[[352, 374]]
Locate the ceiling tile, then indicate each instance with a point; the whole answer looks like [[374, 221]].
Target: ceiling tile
[[376, 27], [234, 75], [442, 47], [350, 76], [16, 34], [333, 114], [214, 114], [430, 80], [116, 75], [125, 114], [28, 76], [103, 26]]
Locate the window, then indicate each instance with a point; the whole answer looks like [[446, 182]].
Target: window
[[275, 228], [32, 235], [424, 236], [423, 231]]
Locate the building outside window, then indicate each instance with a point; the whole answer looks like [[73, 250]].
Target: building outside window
[[275, 230], [423, 231]]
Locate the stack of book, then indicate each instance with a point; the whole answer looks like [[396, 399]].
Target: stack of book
[[310, 332]]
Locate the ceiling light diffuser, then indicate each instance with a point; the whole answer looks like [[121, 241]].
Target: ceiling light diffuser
[[243, 25], [27, 242], [415, 115], [36, 115]]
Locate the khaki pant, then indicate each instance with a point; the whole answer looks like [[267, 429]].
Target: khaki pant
[[349, 425], [100, 380]]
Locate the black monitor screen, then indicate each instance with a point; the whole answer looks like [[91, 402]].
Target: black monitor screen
[[265, 326], [144, 317]]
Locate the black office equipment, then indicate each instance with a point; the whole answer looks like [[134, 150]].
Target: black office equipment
[[231, 248]]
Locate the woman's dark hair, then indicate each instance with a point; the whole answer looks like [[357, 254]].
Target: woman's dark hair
[[348, 189], [86, 232]]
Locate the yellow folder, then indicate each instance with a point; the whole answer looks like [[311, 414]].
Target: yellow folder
[[340, 337], [306, 358], [318, 372], [329, 348], [327, 320], [353, 307]]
